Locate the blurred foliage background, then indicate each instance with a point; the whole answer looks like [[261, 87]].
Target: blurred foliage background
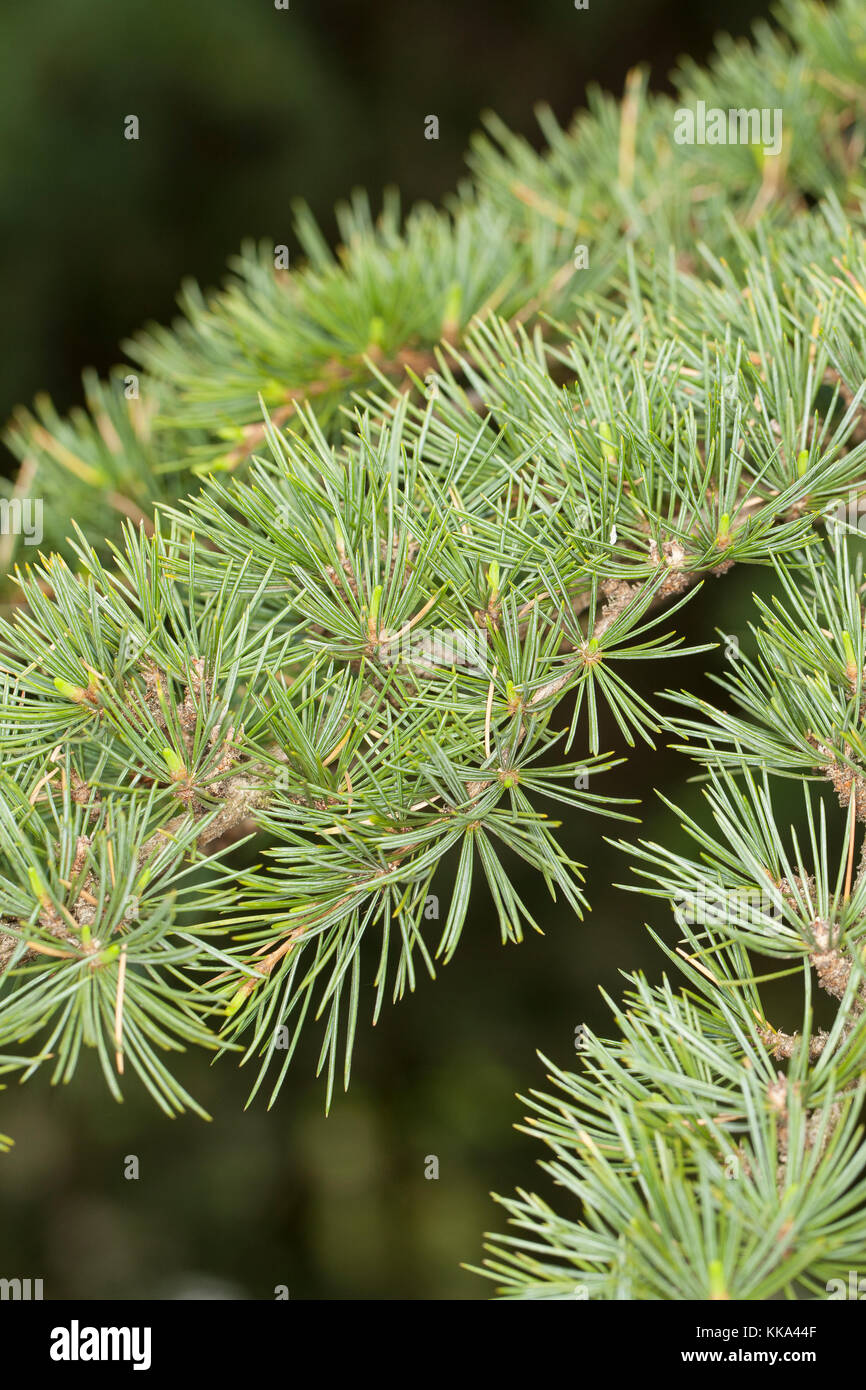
[[243, 107]]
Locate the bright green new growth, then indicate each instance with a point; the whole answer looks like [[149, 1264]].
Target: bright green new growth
[[358, 639]]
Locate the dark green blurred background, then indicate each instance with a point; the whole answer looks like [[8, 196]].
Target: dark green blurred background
[[243, 107]]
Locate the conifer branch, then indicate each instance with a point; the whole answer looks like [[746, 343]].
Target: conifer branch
[[384, 535]]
